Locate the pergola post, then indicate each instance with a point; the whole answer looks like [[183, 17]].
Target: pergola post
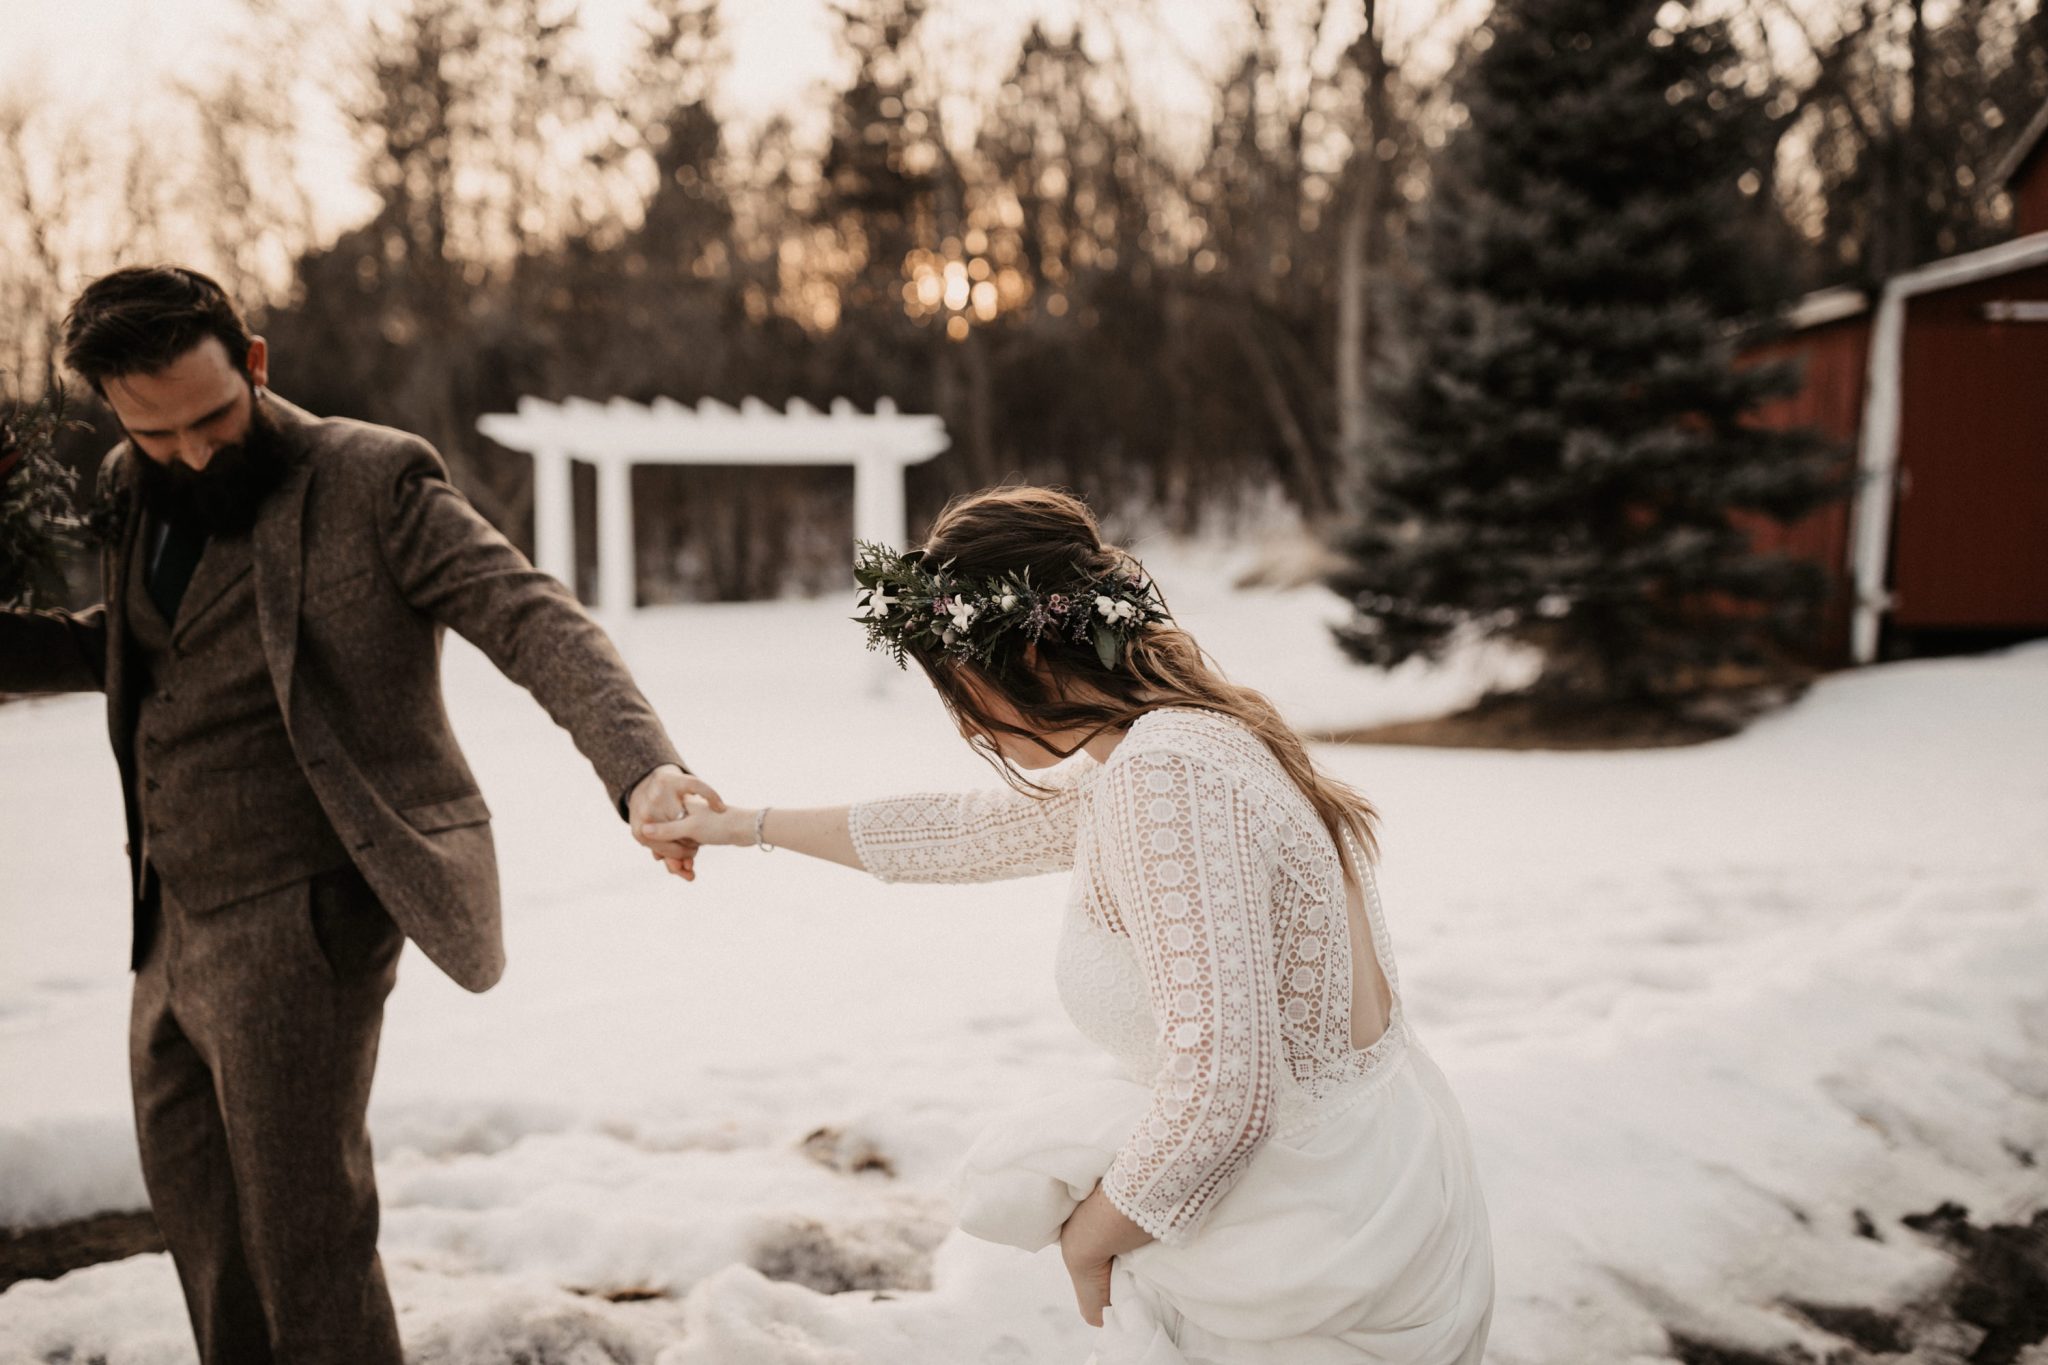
[[554, 515], [615, 538], [879, 507]]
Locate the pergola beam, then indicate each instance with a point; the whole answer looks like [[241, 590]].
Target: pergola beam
[[619, 434]]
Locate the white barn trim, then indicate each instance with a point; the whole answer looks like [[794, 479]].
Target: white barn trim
[[1877, 455]]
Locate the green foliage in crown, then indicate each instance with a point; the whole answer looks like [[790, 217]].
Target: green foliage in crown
[[906, 606]]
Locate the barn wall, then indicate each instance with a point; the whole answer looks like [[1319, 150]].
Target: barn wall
[[1833, 364], [2029, 191], [1969, 548]]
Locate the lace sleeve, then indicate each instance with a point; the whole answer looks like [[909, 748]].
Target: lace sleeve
[[1189, 880], [981, 836]]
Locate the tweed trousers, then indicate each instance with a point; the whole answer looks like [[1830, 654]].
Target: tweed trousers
[[252, 1043]]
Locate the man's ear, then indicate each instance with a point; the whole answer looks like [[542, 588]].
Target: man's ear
[[258, 364]]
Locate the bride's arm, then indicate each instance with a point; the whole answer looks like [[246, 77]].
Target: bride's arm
[[1191, 882], [820, 832], [930, 837]]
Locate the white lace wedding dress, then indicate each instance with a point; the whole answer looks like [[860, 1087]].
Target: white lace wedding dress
[[1313, 1201]]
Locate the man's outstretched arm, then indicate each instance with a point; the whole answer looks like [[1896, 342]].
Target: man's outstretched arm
[[451, 563], [53, 651]]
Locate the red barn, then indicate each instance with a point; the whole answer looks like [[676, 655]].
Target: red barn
[[1941, 388]]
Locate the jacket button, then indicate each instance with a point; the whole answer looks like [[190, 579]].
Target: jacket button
[[150, 784]]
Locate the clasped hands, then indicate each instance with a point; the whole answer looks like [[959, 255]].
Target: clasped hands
[[665, 796]]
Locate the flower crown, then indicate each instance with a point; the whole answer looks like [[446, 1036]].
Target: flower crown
[[906, 606]]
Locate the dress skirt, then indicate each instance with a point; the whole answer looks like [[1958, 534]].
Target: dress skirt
[[1356, 1235]]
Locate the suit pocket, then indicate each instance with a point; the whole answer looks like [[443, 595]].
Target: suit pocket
[[351, 932], [331, 596], [455, 813]]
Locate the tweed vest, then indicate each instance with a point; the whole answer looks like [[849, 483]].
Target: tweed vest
[[226, 810]]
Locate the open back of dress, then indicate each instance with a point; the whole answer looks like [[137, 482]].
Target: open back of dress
[[1372, 997]]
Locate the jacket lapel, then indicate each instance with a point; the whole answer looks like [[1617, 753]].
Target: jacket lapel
[[277, 553], [120, 556], [219, 569]]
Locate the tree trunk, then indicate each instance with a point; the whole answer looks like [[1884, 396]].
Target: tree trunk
[[1354, 276]]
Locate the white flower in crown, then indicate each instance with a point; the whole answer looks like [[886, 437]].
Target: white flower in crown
[[1112, 610], [875, 604], [963, 614], [1009, 600]]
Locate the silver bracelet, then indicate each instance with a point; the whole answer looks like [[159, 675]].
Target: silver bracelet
[[760, 822]]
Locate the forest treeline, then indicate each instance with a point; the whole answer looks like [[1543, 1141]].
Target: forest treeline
[[1181, 327]]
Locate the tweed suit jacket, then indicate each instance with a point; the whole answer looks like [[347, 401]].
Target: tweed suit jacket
[[360, 560]]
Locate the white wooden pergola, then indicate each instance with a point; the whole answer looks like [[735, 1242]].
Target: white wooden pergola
[[617, 435]]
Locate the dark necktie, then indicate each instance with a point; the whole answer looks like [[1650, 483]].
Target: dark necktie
[[171, 571]]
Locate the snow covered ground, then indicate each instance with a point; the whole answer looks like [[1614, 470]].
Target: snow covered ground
[[1701, 1005]]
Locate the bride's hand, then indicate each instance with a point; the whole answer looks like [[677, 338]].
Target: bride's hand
[[1094, 1235], [1090, 1273], [699, 824]]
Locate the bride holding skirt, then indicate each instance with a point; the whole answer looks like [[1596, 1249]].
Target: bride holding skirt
[[1355, 1230], [1278, 1174]]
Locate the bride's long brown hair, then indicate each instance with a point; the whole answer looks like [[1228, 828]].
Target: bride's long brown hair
[[1054, 537]]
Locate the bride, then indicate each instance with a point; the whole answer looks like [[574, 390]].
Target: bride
[[1281, 1174]]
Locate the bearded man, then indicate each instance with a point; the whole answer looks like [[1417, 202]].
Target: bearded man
[[275, 591]]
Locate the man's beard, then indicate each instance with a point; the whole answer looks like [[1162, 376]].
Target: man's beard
[[223, 498]]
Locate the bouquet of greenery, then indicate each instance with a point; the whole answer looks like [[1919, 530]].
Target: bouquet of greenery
[[37, 518]]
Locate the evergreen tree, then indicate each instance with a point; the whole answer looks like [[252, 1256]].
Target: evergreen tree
[[1570, 461], [885, 180], [1065, 196]]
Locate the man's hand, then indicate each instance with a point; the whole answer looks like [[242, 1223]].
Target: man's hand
[[658, 799]]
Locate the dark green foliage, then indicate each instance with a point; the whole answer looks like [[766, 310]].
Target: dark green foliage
[[37, 522], [1569, 441]]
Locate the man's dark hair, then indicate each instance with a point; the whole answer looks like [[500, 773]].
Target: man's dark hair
[[139, 320]]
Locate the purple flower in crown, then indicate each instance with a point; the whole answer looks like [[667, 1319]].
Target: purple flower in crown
[[1057, 605], [1037, 622]]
